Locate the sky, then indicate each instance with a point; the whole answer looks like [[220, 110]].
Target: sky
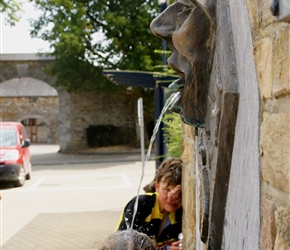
[[16, 39]]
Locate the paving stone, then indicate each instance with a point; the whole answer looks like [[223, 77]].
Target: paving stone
[[64, 231]]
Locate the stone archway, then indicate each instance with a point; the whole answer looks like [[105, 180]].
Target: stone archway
[[34, 103], [76, 111], [38, 128]]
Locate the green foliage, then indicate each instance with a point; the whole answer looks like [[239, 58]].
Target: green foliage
[[87, 33], [84, 81], [12, 9], [173, 134]]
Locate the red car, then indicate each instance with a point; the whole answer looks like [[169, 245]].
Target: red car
[[15, 158]]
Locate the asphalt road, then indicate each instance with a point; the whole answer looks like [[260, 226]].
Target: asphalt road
[[72, 202]]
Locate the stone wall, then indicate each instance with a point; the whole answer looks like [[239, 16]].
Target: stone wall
[[80, 110], [67, 116], [24, 72], [44, 109], [25, 65], [272, 56], [66, 124], [189, 190], [258, 201]]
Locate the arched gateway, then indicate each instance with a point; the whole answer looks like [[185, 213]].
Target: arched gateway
[[51, 114], [28, 97]]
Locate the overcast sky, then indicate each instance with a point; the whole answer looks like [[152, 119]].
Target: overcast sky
[[16, 39]]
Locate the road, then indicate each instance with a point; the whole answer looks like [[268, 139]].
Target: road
[[69, 206]]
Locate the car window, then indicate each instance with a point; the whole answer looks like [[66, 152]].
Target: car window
[[8, 137], [23, 135]]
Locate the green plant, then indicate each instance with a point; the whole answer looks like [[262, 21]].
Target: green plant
[[173, 134]]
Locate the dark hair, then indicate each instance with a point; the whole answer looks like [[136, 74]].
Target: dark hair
[[169, 170]]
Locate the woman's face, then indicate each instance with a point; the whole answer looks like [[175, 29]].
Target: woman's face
[[186, 29]]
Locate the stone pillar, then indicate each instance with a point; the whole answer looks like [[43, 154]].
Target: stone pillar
[[64, 121]]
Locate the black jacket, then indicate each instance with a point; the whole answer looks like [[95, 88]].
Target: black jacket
[[148, 220]]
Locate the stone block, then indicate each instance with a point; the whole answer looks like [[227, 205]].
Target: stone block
[[281, 56], [264, 13], [252, 7], [280, 105], [282, 218], [188, 190], [275, 150], [268, 228], [263, 59]]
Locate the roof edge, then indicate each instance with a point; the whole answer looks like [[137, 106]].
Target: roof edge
[[26, 57]]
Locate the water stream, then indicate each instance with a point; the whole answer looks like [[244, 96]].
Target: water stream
[[172, 99]]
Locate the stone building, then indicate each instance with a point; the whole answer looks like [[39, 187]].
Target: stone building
[[248, 204], [51, 114], [28, 97], [35, 104]]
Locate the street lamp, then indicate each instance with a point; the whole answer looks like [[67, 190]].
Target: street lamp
[[160, 147]]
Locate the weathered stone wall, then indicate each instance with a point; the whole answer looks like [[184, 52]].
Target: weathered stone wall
[[189, 189], [79, 110], [23, 68], [272, 56], [258, 200], [24, 65], [67, 125], [71, 114], [44, 109]]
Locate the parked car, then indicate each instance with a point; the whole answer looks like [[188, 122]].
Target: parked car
[[15, 158]]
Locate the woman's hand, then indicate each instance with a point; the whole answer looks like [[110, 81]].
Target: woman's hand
[[176, 245]]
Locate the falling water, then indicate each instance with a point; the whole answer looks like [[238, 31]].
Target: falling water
[[173, 98]]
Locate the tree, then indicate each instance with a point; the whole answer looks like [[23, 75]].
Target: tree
[[173, 134], [12, 9], [84, 34]]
